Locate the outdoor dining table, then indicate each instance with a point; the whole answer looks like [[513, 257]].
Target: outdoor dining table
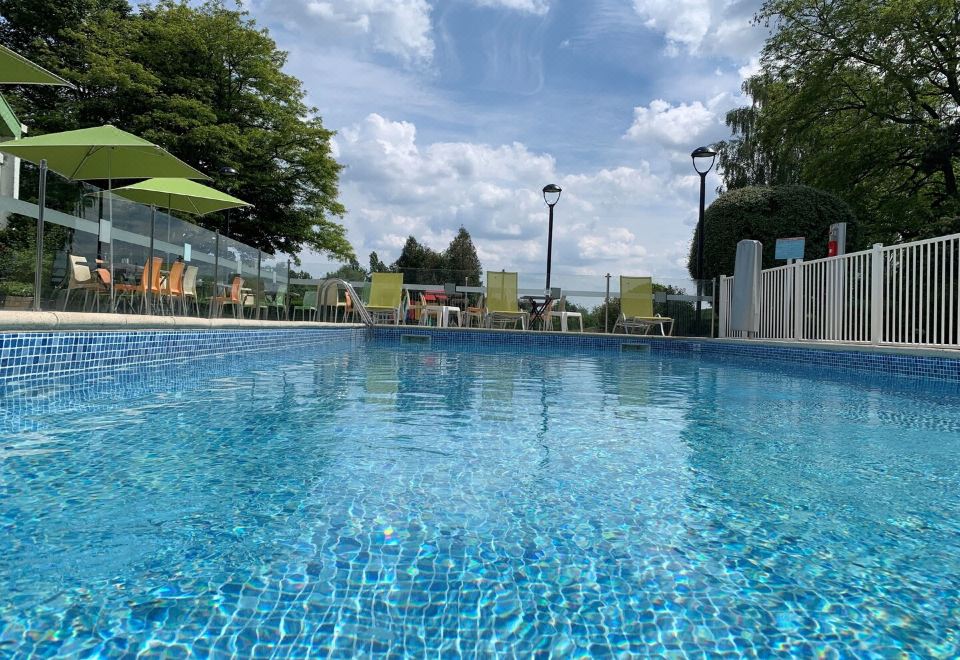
[[538, 305]]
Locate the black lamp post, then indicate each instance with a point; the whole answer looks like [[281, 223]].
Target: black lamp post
[[551, 195], [228, 173], [701, 154]]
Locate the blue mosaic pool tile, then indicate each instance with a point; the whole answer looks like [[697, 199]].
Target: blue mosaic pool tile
[[34, 357], [818, 360], [37, 357]]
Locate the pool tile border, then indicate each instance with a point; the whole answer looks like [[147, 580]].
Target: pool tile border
[[827, 360], [38, 356]]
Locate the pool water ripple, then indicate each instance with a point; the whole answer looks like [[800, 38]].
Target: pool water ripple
[[417, 502]]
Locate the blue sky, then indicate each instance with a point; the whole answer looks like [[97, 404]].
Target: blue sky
[[457, 112]]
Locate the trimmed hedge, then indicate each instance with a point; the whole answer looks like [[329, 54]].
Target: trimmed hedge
[[766, 213]]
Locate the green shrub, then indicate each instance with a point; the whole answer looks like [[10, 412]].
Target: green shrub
[[765, 214]]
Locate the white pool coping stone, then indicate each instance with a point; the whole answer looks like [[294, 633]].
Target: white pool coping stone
[[18, 321]]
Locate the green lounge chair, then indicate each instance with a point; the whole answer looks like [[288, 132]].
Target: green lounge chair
[[309, 306], [501, 300], [636, 307], [386, 297]]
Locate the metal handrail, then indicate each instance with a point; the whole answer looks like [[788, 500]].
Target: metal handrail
[[364, 313]]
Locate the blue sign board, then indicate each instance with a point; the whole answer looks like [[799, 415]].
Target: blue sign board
[[790, 248]]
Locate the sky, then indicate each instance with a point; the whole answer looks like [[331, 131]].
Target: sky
[[455, 113]]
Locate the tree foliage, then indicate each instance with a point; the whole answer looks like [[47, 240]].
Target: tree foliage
[[461, 260], [765, 214], [205, 83], [422, 265], [859, 98]]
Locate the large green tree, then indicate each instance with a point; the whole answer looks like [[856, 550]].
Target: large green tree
[[202, 81], [859, 98], [461, 260], [420, 264]]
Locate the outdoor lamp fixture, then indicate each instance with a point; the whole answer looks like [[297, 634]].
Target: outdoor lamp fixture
[[551, 195], [228, 173], [699, 158]]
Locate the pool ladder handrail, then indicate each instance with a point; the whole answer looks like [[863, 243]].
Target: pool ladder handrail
[[365, 316]]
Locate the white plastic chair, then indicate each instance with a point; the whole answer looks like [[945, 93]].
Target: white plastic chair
[[561, 313], [80, 279]]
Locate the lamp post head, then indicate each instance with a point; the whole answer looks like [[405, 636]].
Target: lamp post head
[[551, 191], [228, 172], [703, 153]]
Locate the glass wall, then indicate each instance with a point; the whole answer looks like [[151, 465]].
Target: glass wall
[[673, 297], [104, 253]]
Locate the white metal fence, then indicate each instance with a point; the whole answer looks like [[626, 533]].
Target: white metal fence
[[905, 294]]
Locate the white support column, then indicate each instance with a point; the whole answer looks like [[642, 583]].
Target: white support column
[[876, 293], [797, 273], [723, 298]]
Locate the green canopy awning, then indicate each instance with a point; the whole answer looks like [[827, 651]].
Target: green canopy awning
[[15, 69], [180, 195], [103, 152]]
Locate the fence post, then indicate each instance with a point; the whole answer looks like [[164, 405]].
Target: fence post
[[876, 294], [798, 300], [722, 329], [606, 306]]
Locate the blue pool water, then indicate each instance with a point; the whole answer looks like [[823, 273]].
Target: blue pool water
[[373, 500]]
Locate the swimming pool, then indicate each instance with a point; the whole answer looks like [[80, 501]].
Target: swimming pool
[[370, 498]]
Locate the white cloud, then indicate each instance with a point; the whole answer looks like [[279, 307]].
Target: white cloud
[[751, 68], [670, 125], [610, 218], [719, 27], [401, 28], [539, 7]]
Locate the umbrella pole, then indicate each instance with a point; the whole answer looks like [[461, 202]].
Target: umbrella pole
[[42, 202], [113, 299], [148, 294]]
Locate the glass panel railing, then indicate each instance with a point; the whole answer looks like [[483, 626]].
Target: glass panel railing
[[275, 275], [586, 294], [18, 258]]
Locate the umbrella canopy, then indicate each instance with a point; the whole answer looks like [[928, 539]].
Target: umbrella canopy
[[18, 70], [104, 152], [179, 194]]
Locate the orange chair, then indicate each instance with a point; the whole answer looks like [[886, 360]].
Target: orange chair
[[134, 290], [233, 298], [173, 286]]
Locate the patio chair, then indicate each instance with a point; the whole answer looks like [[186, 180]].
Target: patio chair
[[386, 297], [471, 314], [233, 298], [80, 279], [636, 307], [152, 265], [278, 302], [502, 305], [560, 312], [190, 289], [308, 307], [172, 292], [331, 301]]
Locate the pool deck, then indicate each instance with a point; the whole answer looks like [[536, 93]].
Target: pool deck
[[21, 321]]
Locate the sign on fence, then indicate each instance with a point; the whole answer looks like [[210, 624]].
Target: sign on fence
[[790, 248]]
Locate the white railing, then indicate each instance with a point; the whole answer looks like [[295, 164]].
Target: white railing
[[901, 294]]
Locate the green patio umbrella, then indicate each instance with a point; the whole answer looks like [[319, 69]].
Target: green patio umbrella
[[102, 152], [15, 69], [181, 195]]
